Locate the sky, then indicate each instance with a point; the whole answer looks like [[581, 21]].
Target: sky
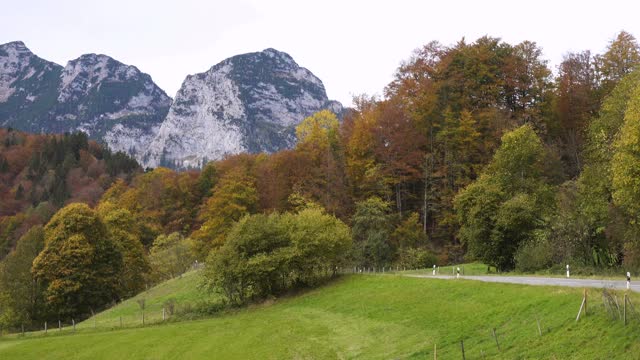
[[354, 47]]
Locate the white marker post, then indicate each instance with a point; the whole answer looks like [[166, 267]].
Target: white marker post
[[628, 280], [434, 269], [458, 273], [567, 270]]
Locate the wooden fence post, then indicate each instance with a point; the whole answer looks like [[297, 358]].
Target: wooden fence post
[[495, 337]]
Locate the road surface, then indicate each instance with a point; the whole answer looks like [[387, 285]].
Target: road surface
[[543, 281]]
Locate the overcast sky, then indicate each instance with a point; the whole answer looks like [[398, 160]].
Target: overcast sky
[[354, 47]]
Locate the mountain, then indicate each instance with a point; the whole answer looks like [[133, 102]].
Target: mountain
[[250, 102], [246, 103], [28, 88], [108, 100]]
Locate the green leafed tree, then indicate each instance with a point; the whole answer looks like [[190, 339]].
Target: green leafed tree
[[625, 164], [512, 198], [265, 255], [371, 230], [409, 233], [171, 256], [21, 296]]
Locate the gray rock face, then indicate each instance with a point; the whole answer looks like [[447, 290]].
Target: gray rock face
[[28, 88], [108, 100], [247, 103]]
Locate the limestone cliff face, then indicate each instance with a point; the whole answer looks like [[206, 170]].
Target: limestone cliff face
[[247, 103]]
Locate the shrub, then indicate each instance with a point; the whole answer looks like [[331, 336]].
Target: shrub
[[266, 255], [534, 255], [412, 258]]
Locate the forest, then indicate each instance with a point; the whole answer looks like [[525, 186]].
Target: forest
[[477, 151]]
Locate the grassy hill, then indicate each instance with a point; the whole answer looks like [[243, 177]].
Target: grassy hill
[[368, 317], [182, 291]]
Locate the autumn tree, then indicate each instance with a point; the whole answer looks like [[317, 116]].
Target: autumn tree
[[79, 264], [577, 100], [124, 232], [319, 145], [234, 196], [620, 59], [398, 150], [362, 167]]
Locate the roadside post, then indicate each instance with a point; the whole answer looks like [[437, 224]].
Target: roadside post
[[434, 269], [458, 273], [567, 270], [628, 280]]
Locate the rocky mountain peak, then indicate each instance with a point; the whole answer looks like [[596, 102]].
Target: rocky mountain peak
[[15, 59], [250, 102], [15, 47]]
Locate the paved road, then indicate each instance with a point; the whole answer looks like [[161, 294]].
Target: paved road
[[530, 280]]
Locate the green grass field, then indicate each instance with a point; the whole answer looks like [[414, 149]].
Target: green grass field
[[362, 316], [183, 290]]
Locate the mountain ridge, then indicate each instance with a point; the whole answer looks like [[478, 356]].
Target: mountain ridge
[[246, 103]]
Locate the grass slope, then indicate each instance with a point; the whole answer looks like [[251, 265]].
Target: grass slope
[[370, 317], [183, 290]]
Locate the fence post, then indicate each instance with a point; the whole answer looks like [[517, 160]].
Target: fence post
[[539, 330], [73, 322], [625, 309], [585, 301], [45, 327], [59, 325], [580, 311]]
